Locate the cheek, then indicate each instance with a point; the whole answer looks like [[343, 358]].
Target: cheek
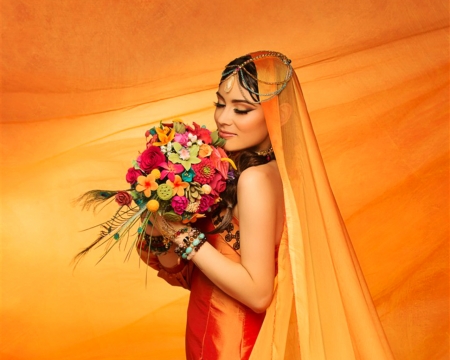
[[255, 124]]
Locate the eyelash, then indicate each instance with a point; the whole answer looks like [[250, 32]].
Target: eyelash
[[241, 112], [237, 111]]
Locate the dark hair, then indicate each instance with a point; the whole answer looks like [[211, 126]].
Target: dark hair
[[250, 81], [244, 158]]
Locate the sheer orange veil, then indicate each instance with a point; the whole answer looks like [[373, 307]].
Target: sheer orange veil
[[322, 308]]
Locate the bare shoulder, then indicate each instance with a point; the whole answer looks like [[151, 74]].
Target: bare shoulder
[[260, 205], [261, 176], [261, 185]]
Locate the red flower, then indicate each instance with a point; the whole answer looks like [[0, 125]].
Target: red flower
[[151, 158], [205, 202], [201, 133], [218, 184], [221, 166], [204, 171], [123, 198], [179, 204], [152, 139], [132, 175]]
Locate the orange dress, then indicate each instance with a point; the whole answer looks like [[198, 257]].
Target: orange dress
[[218, 326]]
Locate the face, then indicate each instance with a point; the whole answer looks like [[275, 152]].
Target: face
[[240, 123]]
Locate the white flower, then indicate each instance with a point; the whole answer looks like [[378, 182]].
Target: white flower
[[184, 154], [193, 138]]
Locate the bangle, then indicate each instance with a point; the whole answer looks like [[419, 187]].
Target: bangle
[[190, 244]]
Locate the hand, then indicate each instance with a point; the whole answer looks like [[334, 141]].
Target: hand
[[167, 228]]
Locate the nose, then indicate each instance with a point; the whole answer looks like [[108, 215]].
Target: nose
[[223, 116]]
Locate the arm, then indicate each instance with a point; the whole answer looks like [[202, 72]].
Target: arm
[[261, 215], [169, 260], [169, 266]]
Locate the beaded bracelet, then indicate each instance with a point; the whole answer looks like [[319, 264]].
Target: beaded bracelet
[[190, 244], [175, 234], [157, 245]]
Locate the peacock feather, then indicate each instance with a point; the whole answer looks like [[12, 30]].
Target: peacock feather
[[94, 198], [113, 229]]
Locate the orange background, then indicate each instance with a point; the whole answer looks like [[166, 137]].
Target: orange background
[[82, 81]]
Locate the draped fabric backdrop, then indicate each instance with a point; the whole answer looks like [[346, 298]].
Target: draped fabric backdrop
[[83, 80]]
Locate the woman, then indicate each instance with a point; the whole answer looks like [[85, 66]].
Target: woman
[[277, 277]]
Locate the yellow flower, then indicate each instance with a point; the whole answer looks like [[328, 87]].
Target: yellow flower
[[178, 185], [165, 135], [153, 206], [146, 184], [156, 173], [230, 161]]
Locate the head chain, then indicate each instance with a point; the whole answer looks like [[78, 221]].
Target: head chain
[[235, 70]]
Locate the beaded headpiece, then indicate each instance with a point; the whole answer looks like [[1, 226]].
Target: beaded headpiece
[[231, 71]]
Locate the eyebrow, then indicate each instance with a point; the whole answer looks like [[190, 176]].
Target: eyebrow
[[234, 101]]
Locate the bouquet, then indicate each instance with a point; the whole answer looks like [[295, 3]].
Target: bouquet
[[179, 177]]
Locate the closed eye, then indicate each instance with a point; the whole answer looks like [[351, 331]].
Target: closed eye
[[218, 105], [237, 111], [242, 112]]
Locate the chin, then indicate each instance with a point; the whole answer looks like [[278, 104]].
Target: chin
[[231, 148]]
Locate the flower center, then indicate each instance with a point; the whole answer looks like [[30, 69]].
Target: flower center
[[206, 170], [184, 154]]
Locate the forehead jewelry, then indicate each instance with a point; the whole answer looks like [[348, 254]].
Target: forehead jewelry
[[230, 81], [239, 71]]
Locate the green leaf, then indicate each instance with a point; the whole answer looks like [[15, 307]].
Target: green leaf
[[194, 150], [217, 140], [176, 146]]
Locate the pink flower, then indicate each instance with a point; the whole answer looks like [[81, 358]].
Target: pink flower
[[170, 169], [204, 171], [132, 175], [205, 202], [123, 198], [182, 139], [151, 158], [218, 184], [179, 204], [201, 133]]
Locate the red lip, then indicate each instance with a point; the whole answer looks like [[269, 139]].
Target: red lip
[[226, 135]]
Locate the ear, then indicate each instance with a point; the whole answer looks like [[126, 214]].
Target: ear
[[285, 113]]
